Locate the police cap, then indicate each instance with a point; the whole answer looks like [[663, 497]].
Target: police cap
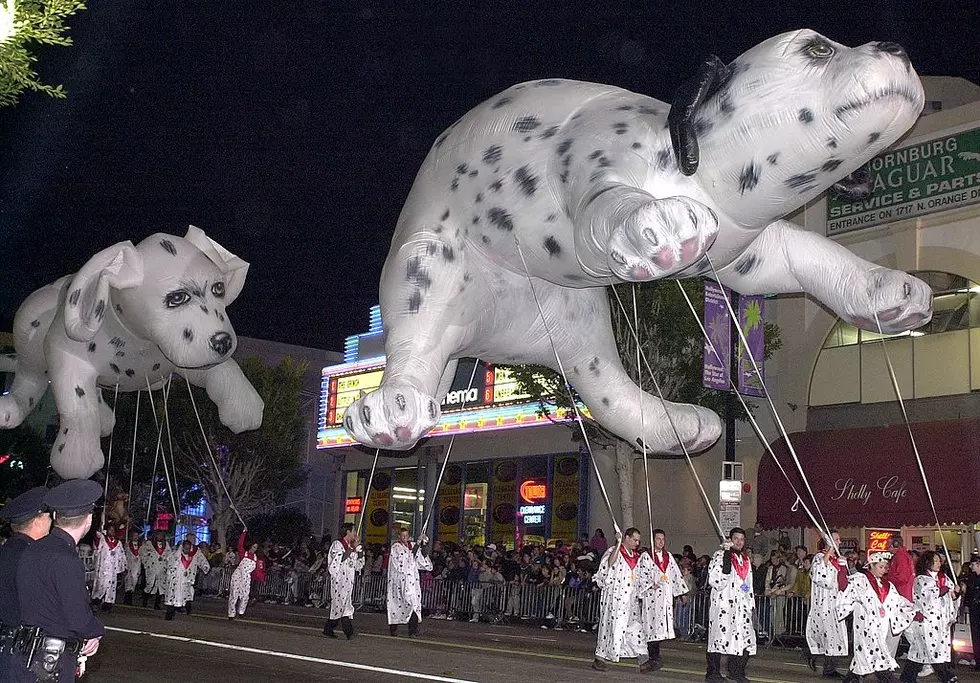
[[74, 498], [26, 506]]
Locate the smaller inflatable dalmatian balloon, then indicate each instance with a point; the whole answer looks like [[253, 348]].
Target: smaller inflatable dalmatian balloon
[[597, 185], [130, 317]]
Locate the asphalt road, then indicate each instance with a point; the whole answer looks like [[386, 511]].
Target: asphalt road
[[283, 643]]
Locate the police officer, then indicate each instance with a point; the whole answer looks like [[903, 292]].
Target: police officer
[[54, 602], [30, 522]]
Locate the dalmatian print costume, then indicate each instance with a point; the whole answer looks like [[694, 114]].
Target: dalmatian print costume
[[621, 631], [134, 564], [129, 318], [181, 573], [929, 639], [658, 602], [826, 634], [554, 189], [241, 581], [404, 586], [878, 609], [109, 563], [343, 564], [153, 557], [730, 629]]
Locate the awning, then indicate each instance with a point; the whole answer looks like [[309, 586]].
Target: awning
[[869, 477]]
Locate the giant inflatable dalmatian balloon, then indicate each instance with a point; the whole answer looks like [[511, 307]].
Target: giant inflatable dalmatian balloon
[[598, 185], [130, 317]]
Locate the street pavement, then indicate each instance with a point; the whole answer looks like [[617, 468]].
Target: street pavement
[[284, 643]]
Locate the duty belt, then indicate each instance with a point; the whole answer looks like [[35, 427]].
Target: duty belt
[[43, 653]]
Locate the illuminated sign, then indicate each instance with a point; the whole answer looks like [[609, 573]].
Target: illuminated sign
[[487, 400], [534, 491], [352, 506], [533, 514], [878, 540]]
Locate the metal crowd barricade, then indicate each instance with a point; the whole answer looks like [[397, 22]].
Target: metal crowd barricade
[[777, 619]]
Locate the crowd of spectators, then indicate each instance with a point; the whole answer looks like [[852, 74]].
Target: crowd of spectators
[[296, 573]]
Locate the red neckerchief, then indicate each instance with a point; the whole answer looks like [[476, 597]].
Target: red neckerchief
[[662, 566], [631, 561], [111, 542], [250, 555], [161, 549], [834, 560], [343, 542], [135, 549], [941, 579], [741, 564], [407, 544], [187, 562], [882, 592]]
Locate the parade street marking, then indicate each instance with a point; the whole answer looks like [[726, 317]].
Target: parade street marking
[[518, 636], [484, 648], [289, 655]]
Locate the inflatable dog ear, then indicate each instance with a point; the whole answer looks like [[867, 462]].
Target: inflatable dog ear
[[121, 267], [234, 267]]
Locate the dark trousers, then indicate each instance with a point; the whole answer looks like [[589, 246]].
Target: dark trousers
[[653, 650], [944, 671], [413, 626], [975, 633]]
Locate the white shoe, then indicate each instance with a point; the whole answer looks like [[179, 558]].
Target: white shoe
[[926, 670], [474, 620]]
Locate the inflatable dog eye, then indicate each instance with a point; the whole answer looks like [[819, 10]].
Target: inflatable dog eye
[[573, 186], [129, 317]]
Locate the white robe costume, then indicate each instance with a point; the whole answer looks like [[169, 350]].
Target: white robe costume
[[133, 565], [404, 586], [621, 632], [874, 618], [826, 632], [181, 572], [343, 573], [730, 629], [154, 560], [241, 581], [109, 562], [929, 639], [658, 600]]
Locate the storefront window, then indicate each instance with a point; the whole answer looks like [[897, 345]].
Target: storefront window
[[407, 500], [475, 503]]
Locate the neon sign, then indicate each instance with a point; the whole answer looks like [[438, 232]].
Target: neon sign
[[534, 491], [352, 506], [878, 540], [533, 514]]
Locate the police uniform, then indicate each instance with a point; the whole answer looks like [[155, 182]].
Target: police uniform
[[52, 593], [20, 510]]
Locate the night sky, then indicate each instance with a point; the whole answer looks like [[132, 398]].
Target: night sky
[[291, 132]]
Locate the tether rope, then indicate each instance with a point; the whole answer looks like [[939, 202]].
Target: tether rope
[[639, 387], [159, 447], [449, 450], [108, 464], [568, 389], [214, 462], [367, 492], [673, 426], [908, 425], [823, 527]]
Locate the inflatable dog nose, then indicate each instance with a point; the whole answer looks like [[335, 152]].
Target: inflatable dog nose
[[220, 343]]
